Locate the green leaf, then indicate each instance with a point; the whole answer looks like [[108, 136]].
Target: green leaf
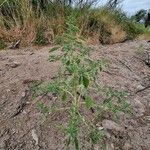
[[54, 49], [42, 108], [77, 61], [68, 63], [69, 141], [76, 142], [95, 136], [89, 102], [84, 80], [107, 100], [64, 96], [53, 58]]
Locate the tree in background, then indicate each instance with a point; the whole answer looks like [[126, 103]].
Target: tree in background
[[113, 3], [147, 19], [142, 15]]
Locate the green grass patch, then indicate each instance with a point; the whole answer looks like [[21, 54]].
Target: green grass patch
[[2, 44]]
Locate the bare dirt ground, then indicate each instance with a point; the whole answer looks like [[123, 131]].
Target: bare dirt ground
[[24, 127]]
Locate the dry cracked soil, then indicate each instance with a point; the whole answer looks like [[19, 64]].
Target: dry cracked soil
[[24, 127]]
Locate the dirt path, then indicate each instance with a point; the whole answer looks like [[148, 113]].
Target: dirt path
[[21, 123]]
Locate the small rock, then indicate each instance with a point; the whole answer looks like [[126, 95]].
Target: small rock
[[139, 108], [8, 90], [32, 53], [4, 97], [13, 131], [139, 87], [127, 146], [24, 112], [108, 124], [100, 128], [96, 147], [110, 146], [2, 144], [23, 94], [35, 137], [13, 64], [147, 118], [108, 135]]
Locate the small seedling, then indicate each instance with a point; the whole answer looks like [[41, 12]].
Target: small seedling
[[141, 48], [2, 45], [34, 88], [115, 102], [42, 108]]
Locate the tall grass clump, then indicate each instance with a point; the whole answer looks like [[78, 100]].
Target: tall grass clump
[[38, 22], [34, 22], [19, 21]]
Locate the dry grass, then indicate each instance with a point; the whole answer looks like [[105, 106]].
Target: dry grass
[[33, 26], [24, 27], [93, 40], [117, 34], [144, 37]]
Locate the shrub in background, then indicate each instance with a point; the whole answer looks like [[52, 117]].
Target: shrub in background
[[40, 38], [111, 25], [24, 19], [19, 21]]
